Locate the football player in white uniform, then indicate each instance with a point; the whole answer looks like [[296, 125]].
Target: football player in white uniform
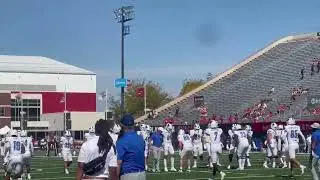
[[215, 138], [6, 153], [114, 133], [15, 148], [2, 146], [147, 143], [186, 147], [272, 150], [28, 151], [89, 135], [283, 149], [145, 133], [231, 145], [86, 138], [293, 132], [251, 144], [196, 135], [241, 139], [180, 136], [167, 145], [91, 132], [67, 146], [207, 145]]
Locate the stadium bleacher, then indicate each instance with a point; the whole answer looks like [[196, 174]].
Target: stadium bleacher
[[278, 65]]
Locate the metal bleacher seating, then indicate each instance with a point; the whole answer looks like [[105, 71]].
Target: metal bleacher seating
[[278, 65]]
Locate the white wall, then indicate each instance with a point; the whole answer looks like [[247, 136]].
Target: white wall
[[79, 120], [55, 121], [73, 83], [39, 124], [83, 120]]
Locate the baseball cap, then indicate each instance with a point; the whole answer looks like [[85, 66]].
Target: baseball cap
[[315, 125], [127, 120]]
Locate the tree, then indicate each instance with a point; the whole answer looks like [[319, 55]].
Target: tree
[[189, 85], [156, 97], [114, 106], [209, 76]]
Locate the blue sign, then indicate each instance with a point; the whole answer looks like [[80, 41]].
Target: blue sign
[[118, 83]]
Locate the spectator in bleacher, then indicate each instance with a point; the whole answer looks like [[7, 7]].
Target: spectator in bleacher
[[236, 118], [271, 91], [221, 119], [302, 73], [312, 67], [318, 66], [177, 111], [214, 117]]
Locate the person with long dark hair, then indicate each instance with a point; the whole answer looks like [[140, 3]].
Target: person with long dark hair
[[101, 145]]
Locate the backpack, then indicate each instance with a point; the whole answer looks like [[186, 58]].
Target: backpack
[[97, 164]]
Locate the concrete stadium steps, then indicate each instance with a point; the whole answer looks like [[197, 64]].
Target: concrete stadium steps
[[279, 67]]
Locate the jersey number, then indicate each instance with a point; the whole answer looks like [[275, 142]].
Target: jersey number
[[215, 136], [16, 145], [197, 136], [242, 134], [294, 134], [186, 138], [67, 145]]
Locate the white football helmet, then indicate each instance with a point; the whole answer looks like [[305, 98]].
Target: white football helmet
[[213, 124], [160, 129], [248, 127], [91, 130], [291, 121], [13, 132], [280, 127], [238, 127], [142, 127], [196, 126], [234, 127], [23, 133], [67, 133], [148, 128], [274, 126], [116, 128], [169, 127]]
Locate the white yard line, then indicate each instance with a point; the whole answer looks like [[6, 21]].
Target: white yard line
[[56, 178], [244, 177]]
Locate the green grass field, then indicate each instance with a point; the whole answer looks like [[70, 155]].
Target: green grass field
[[51, 168]]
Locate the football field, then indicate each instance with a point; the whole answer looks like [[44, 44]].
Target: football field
[[51, 168]]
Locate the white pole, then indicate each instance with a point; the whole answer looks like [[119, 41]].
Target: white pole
[[107, 108], [21, 112], [65, 97], [145, 97], [65, 107]]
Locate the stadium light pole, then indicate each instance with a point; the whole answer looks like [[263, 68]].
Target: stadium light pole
[[123, 15]]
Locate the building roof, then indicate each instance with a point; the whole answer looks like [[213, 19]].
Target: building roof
[[277, 65], [38, 64]]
